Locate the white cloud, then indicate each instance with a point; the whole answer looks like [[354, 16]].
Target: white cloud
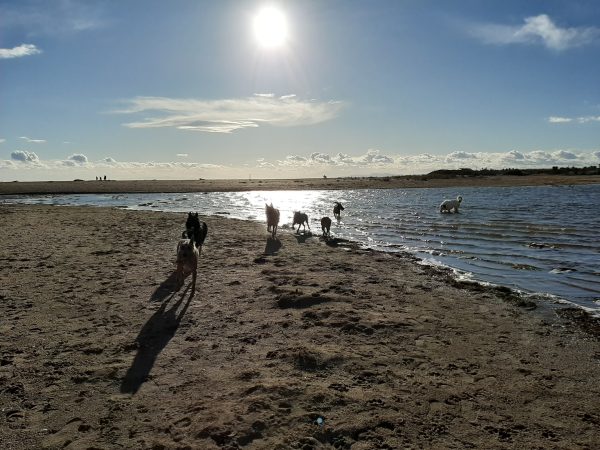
[[537, 30], [78, 158], [25, 156], [555, 119], [6, 164], [2, 141], [582, 119], [33, 141], [295, 158], [226, 116], [564, 155], [459, 155], [373, 157], [513, 156], [321, 158], [587, 119], [19, 51], [182, 155]]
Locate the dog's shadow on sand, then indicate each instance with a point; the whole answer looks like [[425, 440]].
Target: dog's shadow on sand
[[155, 335], [302, 237], [272, 246], [165, 289]]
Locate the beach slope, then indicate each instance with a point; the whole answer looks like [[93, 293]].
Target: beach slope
[[289, 344]]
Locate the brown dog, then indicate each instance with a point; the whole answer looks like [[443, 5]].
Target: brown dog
[[187, 262], [300, 219], [325, 226], [272, 219]]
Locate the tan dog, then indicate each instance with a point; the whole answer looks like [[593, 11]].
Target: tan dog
[[187, 262]]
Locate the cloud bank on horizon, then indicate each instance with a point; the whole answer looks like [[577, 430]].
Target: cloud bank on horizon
[[28, 166]]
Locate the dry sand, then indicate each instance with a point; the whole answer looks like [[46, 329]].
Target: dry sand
[[140, 186], [98, 353]]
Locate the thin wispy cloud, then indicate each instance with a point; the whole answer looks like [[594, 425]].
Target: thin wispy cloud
[[582, 119], [33, 141], [537, 30], [587, 119], [19, 51], [556, 119], [226, 116], [60, 17]]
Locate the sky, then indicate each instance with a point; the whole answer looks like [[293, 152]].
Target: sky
[[284, 89]]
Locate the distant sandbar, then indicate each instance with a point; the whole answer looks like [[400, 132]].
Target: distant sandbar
[[404, 182]]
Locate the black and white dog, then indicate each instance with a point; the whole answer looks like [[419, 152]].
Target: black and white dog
[[195, 230], [189, 248]]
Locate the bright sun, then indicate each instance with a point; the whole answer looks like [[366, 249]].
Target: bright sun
[[270, 28]]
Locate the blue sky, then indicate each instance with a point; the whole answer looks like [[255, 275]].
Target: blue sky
[[185, 89]]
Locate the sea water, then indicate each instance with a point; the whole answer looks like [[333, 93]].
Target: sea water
[[540, 240]]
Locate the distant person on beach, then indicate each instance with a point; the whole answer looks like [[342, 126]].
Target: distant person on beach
[[104, 177]]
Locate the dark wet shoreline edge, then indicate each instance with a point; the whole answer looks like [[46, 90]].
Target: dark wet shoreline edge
[[570, 316]]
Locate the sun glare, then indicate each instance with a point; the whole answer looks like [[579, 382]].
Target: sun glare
[[270, 28]]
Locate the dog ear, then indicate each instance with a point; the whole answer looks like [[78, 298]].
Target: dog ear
[[196, 214]]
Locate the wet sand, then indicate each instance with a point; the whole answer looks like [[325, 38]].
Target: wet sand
[[154, 186], [98, 351]]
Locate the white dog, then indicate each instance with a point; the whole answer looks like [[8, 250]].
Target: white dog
[[187, 262], [449, 205]]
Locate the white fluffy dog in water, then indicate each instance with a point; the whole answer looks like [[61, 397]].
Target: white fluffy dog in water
[[449, 205]]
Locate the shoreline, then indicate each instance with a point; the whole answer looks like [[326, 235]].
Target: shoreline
[[588, 319], [187, 186], [99, 351]]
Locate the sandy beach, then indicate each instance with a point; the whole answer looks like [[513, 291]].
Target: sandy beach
[[407, 182], [302, 346]]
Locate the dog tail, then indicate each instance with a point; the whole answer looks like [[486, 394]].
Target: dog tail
[[202, 232]]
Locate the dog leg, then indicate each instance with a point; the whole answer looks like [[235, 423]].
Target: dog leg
[[179, 276], [194, 274]]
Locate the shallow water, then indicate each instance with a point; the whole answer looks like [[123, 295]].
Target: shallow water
[[539, 240]]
